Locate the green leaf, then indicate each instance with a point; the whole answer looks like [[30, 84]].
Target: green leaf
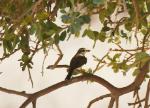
[[106, 28], [102, 15], [128, 25], [66, 19], [124, 35], [26, 20], [140, 59], [72, 2], [7, 46], [24, 45], [116, 56], [42, 16], [136, 72], [63, 11], [75, 27], [102, 36], [85, 19], [90, 34], [98, 2], [50, 32], [33, 29], [56, 37], [141, 55], [111, 7], [63, 36]]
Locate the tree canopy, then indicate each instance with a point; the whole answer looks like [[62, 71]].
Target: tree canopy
[[31, 25]]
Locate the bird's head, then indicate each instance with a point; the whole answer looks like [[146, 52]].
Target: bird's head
[[82, 51]]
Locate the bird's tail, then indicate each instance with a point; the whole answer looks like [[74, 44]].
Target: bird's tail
[[70, 71]]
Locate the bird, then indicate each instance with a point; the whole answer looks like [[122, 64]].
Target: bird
[[78, 60]]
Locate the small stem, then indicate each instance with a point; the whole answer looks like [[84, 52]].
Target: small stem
[[30, 77], [97, 99]]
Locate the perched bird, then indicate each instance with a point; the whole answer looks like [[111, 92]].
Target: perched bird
[[77, 61]]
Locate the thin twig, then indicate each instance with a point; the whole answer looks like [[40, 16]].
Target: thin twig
[[137, 11], [58, 60], [30, 77], [124, 50], [23, 93], [36, 49], [100, 61], [46, 54], [137, 102], [57, 66], [55, 9], [97, 99], [144, 40], [137, 49]]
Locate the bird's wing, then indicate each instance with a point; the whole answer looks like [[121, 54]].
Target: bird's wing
[[78, 61]]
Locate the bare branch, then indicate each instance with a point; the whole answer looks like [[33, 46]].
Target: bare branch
[[147, 95], [58, 60], [144, 40], [45, 91], [97, 99], [136, 102], [124, 50], [57, 66], [137, 49], [30, 77], [100, 61], [23, 93], [117, 102], [137, 11], [36, 49], [46, 54], [34, 104], [115, 92], [111, 103], [54, 12]]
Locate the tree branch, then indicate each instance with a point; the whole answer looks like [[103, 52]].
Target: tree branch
[[137, 12], [97, 99], [100, 61], [94, 78], [147, 95], [58, 60], [34, 104], [137, 49], [144, 40], [136, 102], [115, 92], [111, 103], [57, 66], [23, 93], [30, 77]]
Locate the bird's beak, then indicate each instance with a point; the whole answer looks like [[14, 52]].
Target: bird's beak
[[87, 50]]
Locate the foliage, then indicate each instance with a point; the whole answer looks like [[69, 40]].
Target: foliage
[[25, 21]]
